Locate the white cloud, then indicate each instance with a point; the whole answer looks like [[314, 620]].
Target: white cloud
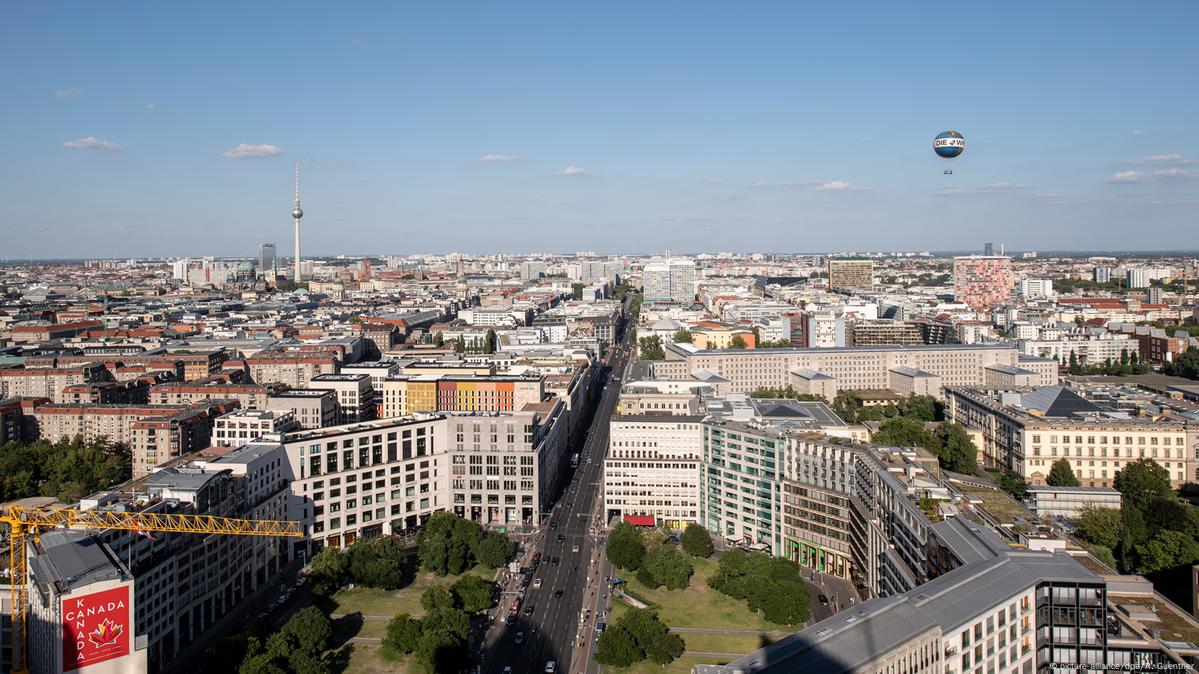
[[498, 157], [826, 186], [833, 186], [573, 170], [1163, 159], [1138, 132], [1053, 199], [985, 189], [1175, 173], [1125, 177], [151, 107], [248, 151], [68, 93], [92, 143]]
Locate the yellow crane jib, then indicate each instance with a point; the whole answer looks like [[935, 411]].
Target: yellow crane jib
[[23, 521]]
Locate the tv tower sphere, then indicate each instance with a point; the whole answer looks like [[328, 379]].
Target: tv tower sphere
[[296, 212]]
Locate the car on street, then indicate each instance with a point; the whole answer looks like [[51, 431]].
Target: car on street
[[536, 558], [550, 667], [553, 525], [520, 638], [528, 610], [574, 548], [823, 599], [507, 669], [520, 594], [536, 583], [554, 561], [600, 627], [515, 607], [557, 594], [510, 620], [560, 538]]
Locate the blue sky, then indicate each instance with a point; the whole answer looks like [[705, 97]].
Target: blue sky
[[609, 126]]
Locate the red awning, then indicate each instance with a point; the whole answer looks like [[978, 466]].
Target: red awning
[[640, 520]]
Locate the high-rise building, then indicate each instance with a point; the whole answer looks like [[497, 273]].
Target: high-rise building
[[266, 261], [1101, 274], [1137, 278], [850, 274], [983, 282], [988, 248], [669, 281], [1036, 288]]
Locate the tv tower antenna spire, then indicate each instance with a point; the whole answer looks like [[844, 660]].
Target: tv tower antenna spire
[[296, 214]]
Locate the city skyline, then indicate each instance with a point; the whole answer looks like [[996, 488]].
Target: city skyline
[[436, 130]]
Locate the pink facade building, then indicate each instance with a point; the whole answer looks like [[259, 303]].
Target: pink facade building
[[983, 281]]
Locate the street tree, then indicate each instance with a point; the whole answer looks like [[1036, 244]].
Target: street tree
[[1062, 475], [697, 541], [626, 548]]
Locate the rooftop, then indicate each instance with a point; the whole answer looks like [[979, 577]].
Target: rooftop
[[71, 559]]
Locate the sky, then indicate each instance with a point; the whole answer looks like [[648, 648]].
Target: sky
[[172, 129]]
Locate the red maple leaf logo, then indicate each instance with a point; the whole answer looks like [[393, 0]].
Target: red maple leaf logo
[[105, 634]]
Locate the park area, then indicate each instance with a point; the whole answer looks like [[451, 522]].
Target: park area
[[363, 613]]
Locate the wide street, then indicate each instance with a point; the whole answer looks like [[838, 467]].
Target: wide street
[[551, 630]]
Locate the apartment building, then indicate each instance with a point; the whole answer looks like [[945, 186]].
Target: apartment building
[[983, 282], [313, 408], [1026, 432], [850, 274], [49, 382], [652, 470], [853, 368], [367, 479], [294, 370], [130, 392], [355, 396], [241, 427], [10, 420], [153, 440], [249, 396]]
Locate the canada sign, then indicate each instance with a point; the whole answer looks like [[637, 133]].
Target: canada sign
[[95, 628]]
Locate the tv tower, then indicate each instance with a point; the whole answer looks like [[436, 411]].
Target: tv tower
[[296, 214]]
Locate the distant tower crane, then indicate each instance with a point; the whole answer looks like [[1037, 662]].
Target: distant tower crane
[[24, 522]]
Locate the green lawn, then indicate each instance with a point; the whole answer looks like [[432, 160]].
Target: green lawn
[[724, 643], [682, 665], [363, 658], [372, 601], [367, 659], [699, 605]]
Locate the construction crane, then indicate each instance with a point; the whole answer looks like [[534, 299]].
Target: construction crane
[[24, 522]]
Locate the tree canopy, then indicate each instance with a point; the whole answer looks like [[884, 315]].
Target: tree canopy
[[696, 541], [650, 348], [772, 585], [665, 565], [1062, 475], [626, 547], [449, 544], [66, 470], [635, 636]]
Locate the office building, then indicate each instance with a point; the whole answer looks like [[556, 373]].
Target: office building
[[1069, 502], [983, 282], [850, 274], [505, 466], [671, 280], [1026, 432], [855, 368], [81, 607], [266, 261], [405, 395], [367, 479], [652, 471], [1037, 289], [1027, 611]]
